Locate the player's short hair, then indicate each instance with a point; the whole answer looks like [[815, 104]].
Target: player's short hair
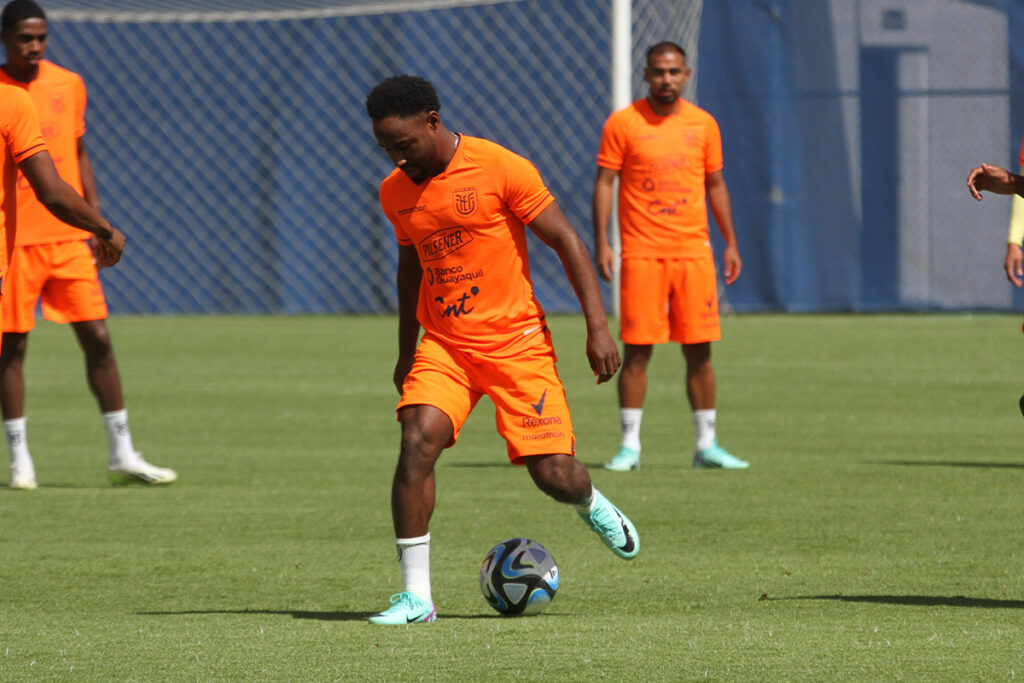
[[20, 10], [664, 46], [401, 96]]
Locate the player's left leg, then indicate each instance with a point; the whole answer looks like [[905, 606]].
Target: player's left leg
[[694, 321], [700, 390], [125, 465], [566, 479]]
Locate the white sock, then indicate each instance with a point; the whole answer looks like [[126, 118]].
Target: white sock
[[704, 428], [584, 507], [630, 419], [17, 444], [119, 437], [414, 559]]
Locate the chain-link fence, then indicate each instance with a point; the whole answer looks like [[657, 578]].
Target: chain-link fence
[[230, 140]]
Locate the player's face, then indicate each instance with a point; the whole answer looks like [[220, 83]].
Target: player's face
[[411, 142], [26, 44], [667, 74]]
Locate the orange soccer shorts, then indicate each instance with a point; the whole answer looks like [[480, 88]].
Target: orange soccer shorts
[[530, 409], [669, 300], [61, 274]]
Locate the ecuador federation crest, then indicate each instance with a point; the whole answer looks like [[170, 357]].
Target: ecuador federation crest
[[465, 201]]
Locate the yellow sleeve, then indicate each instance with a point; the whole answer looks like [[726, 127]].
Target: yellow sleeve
[[1016, 235]]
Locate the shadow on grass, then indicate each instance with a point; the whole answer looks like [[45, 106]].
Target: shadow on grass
[[296, 614], [948, 463], [913, 600]]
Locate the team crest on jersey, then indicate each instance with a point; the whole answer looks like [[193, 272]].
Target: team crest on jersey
[[465, 201], [57, 104]]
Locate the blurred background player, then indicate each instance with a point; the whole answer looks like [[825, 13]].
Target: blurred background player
[[459, 206], [667, 155], [53, 262], [991, 178]]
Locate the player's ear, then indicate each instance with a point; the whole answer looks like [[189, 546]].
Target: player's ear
[[433, 120]]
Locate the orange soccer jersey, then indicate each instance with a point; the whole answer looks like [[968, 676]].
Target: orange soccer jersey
[[468, 227], [59, 96], [21, 139], [662, 163]]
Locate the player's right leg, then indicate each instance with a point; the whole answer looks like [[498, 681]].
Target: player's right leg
[[426, 431], [644, 322], [12, 403], [632, 387]]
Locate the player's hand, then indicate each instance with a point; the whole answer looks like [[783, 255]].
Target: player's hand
[[108, 251], [604, 261], [1015, 264], [402, 368], [990, 178], [733, 264], [603, 354]]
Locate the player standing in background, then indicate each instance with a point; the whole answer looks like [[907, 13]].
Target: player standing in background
[[459, 206], [1014, 254], [667, 155], [22, 148], [53, 261], [991, 178]]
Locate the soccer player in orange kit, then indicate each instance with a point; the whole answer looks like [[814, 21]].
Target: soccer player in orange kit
[[22, 148], [667, 156], [459, 206], [53, 262]]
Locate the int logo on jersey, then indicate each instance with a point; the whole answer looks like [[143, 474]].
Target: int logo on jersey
[[465, 201]]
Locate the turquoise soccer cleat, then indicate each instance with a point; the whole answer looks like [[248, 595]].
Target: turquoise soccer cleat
[[406, 608], [625, 460], [717, 457], [614, 528]]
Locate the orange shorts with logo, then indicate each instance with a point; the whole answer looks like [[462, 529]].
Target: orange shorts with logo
[[669, 300], [530, 409], [60, 274]]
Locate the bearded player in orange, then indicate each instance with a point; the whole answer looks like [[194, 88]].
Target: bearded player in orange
[[667, 155], [53, 262], [460, 206]]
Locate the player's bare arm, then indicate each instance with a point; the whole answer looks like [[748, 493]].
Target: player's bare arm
[[721, 208], [1014, 264], [604, 189], [408, 279], [995, 179], [64, 203], [555, 231]]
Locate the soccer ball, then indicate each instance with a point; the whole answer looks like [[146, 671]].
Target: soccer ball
[[519, 576]]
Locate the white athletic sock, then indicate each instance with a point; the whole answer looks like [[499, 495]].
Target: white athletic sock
[[630, 419], [704, 428], [414, 559], [17, 444], [584, 507], [119, 437]]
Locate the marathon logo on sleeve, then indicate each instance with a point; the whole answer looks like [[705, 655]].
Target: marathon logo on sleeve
[[439, 244]]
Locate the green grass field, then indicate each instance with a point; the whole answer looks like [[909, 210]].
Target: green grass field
[[877, 535]]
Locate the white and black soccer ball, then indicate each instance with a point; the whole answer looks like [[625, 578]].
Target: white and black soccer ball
[[519, 576]]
